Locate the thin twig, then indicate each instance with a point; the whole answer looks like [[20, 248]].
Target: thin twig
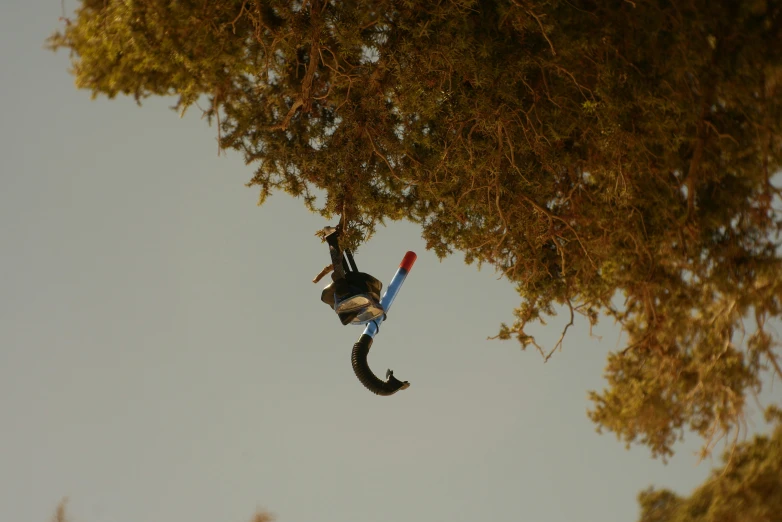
[[306, 84], [636, 344], [562, 336], [388, 163], [543, 31], [567, 225], [241, 12]]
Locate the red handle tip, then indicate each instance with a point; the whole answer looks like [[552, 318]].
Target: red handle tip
[[407, 261]]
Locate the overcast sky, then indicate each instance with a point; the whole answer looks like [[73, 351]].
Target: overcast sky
[[164, 356]]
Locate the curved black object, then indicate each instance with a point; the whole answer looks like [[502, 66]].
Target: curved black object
[[370, 381]]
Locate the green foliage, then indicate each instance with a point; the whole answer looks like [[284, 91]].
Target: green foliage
[[611, 157], [747, 489]]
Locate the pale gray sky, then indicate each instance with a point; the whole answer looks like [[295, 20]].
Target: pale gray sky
[[164, 356]]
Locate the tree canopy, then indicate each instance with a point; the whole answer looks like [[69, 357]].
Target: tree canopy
[[748, 488], [608, 158]]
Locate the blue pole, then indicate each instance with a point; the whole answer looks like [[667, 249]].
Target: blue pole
[[393, 289]]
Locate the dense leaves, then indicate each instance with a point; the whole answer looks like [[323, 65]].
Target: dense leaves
[[609, 157], [747, 489]]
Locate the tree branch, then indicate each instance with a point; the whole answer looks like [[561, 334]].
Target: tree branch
[[304, 98], [562, 336]]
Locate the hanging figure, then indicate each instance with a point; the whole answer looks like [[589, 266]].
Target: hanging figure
[[355, 296]]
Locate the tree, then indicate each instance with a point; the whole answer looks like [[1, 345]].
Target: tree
[[748, 488], [610, 157]]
